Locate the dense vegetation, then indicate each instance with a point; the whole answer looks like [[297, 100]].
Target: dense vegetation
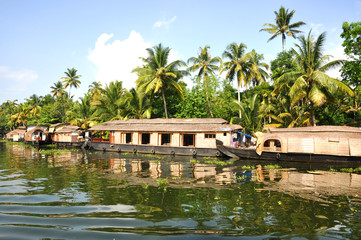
[[293, 91]]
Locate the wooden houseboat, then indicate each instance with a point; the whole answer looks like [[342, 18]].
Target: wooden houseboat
[[68, 135], [314, 144], [16, 135], [195, 137], [37, 135]]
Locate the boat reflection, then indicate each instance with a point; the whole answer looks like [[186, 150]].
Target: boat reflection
[[183, 172]]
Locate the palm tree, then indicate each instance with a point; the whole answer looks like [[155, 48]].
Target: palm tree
[[205, 65], [109, 105], [81, 114], [57, 89], [95, 88], [309, 83], [158, 75], [283, 26], [251, 119], [71, 79], [257, 70], [137, 105], [237, 65]]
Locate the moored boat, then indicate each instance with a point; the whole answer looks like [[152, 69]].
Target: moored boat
[[310, 144], [69, 136], [17, 135], [37, 135], [195, 137]]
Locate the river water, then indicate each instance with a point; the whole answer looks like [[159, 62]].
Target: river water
[[95, 195]]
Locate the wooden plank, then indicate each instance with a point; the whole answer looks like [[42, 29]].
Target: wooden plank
[[355, 146]]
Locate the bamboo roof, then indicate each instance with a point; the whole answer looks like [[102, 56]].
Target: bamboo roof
[[168, 125], [330, 129]]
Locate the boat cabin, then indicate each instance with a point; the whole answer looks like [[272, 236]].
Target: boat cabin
[[37, 134], [17, 135], [68, 135], [171, 133], [330, 140]]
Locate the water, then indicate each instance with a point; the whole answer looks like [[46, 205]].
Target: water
[[94, 195]]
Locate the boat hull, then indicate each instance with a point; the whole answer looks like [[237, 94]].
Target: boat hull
[[290, 157], [150, 149]]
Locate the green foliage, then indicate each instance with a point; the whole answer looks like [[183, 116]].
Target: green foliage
[[272, 166], [247, 167], [162, 182], [283, 26]]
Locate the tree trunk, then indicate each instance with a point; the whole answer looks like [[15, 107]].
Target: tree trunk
[[313, 115], [239, 98], [165, 104], [206, 87], [283, 43]]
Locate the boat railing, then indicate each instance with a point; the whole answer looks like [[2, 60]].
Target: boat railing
[[100, 140]]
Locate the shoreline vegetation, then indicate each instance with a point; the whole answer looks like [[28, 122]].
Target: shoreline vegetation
[[292, 91]]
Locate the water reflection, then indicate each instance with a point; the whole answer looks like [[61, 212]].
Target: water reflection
[[94, 195]]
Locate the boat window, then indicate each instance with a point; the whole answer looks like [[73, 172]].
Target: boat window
[[145, 138], [128, 138], [188, 139], [225, 134], [210, 135], [272, 145], [165, 138]]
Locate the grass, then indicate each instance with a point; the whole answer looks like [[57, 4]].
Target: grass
[[247, 167], [218, 162], [194, 161], [56, 151], [272, 166], [162, 182], [347, 170]]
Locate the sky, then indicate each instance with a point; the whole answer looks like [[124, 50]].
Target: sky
[[105, 39]]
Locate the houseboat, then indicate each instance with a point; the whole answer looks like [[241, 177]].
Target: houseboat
[[16, 135], [192, 137], [68, 135], [310, 144], [37, 135]]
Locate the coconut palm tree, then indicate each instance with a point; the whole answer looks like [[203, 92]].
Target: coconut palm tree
[[251, 119], [158, 74], [57, 89], [283, 26], [309, 83], [257, 70], [237, 65], [137, 105], [95, 88], [109, 105], [71, 79], [205, 65], [81, 114]]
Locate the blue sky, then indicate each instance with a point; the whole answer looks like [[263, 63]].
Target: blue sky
[[104, 39]]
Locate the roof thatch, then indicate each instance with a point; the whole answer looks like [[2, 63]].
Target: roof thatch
[[68, 129], [20, 130], [168, 125], [317, 129]]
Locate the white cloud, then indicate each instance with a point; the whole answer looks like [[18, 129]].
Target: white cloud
[[337, 53], [117, 59], [21, 76], [164, 23], [317, 28]]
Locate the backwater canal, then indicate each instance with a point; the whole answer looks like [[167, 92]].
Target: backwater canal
[[96, 195]]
